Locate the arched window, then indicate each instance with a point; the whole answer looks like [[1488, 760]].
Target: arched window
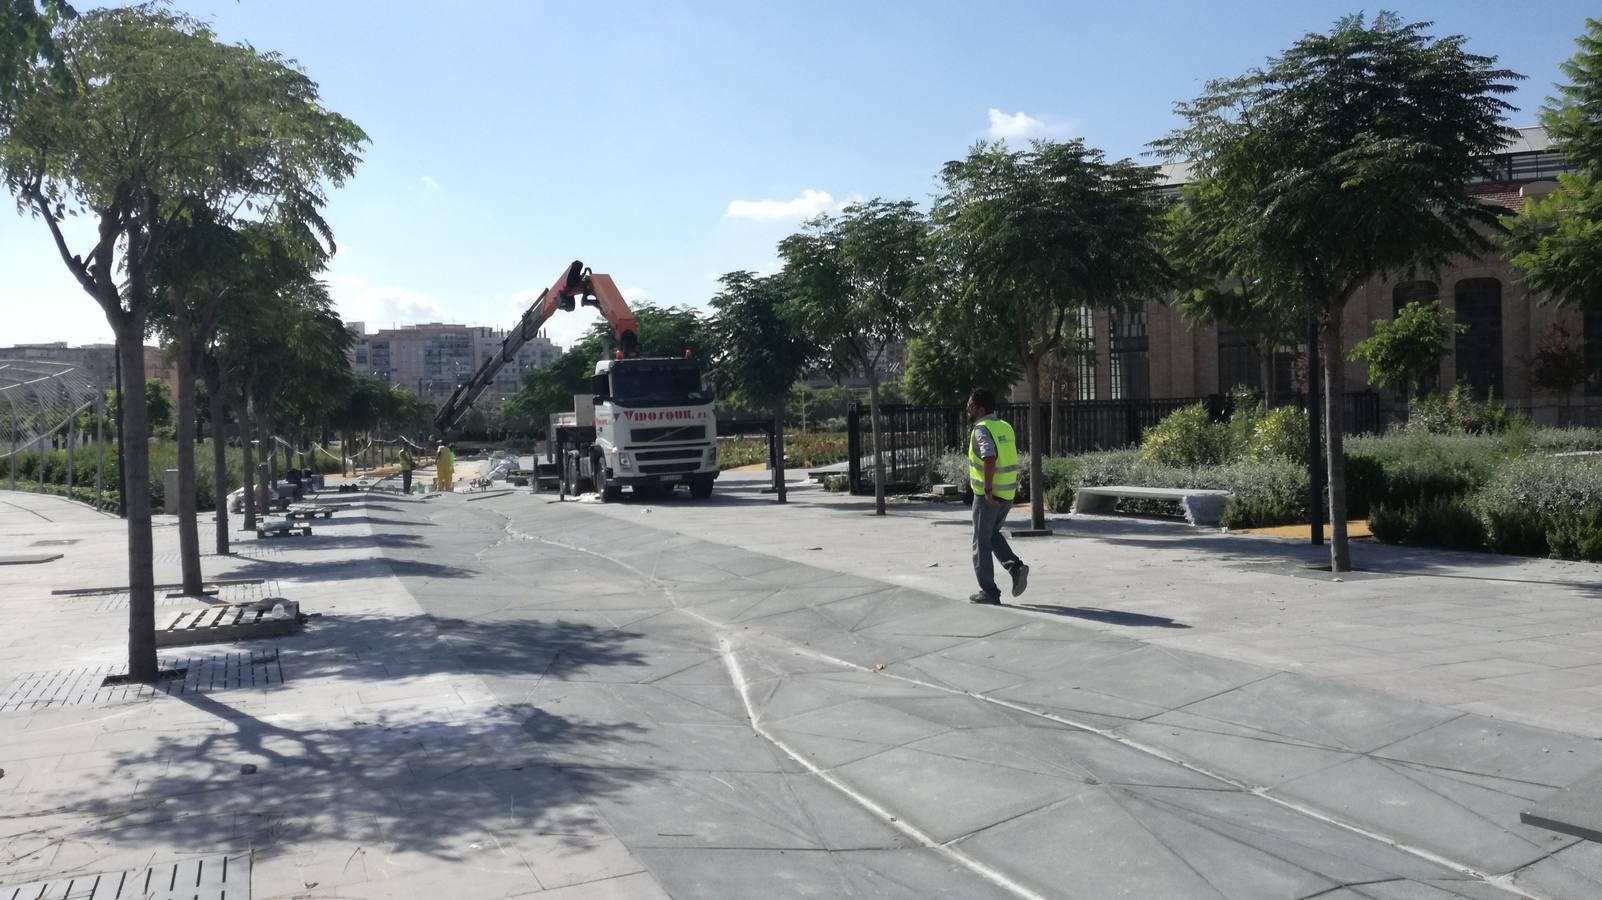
[[1479, 348], [1413, 292]]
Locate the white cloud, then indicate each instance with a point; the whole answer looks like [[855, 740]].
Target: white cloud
[[636, 294], [1018, 126], [380, 306], [430, 186], [809, 204]]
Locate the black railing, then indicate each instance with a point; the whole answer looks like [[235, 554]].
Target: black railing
[[915, 437]]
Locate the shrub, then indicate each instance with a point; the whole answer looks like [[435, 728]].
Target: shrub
[[1408, 468], [1186, 437], [1541, 505], [1448, 523], [1280, 434], [1576, 534], [1457, 412], [1563, 440]]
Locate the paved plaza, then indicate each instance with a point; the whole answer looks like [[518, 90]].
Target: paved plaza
[[500, 695]]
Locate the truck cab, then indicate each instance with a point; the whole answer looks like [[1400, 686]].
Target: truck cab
[[654, 427]]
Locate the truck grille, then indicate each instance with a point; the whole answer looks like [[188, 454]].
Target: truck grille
[[664, 455], [669, 433]]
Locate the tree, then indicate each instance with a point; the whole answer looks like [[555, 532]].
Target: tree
[[158, 403], [944, 366], [1023, 239], [761, 351], [1237, 294], [1343, 159], [852, 278], [1557, 240], [1558, 365], [157, 115], [27, 39], [1405, 353]]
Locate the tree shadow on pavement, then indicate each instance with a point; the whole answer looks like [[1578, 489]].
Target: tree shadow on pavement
[[343, 569]]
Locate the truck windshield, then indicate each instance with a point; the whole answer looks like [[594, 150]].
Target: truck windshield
[[658, 382]]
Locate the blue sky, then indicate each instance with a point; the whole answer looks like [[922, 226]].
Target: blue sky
[[668, 142]]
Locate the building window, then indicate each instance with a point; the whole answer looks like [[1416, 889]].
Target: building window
[[1479, 348], [1239, 362], [1592, 331], [1128, 353], [1085, 363], [1413, 292]]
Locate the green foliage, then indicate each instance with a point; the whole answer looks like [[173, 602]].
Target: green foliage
[[158, 403], [1557, 240], [1576, 534], [1447, 523], [944, 365], [1558, 365], [1458, 412], [818, 407], [761, 348], [1266, 492], [1280, 434], [1405, 353], [1187, 437], [851, 279]]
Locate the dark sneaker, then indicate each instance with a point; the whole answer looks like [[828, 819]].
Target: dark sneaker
[[1020, 579], [984, 599]]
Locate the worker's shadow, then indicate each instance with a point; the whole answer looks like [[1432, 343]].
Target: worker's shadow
[[1105, 616]]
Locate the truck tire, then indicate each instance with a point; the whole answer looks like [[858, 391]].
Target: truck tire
[[610, 491], [701, 488]]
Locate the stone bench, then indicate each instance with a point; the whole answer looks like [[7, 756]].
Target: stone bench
[[1202, 507]]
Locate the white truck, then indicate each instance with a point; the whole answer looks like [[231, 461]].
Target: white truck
[[647, 423]]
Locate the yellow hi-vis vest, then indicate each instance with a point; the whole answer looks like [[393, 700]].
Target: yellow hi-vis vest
[[1004, 484]]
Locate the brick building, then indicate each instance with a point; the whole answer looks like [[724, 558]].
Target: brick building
[[1153, 352]]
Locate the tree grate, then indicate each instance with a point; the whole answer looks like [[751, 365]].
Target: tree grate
[[86, 686], [219, 877], [228, 593]]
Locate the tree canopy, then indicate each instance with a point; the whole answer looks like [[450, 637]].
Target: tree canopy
[[1344, 158], [1557, 240]]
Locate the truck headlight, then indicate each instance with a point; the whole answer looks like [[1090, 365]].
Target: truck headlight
[[625, 461], [712, 455]]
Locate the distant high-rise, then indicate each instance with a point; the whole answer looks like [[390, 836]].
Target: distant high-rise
[[432, 358]]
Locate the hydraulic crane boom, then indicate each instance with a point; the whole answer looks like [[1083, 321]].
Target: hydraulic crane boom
[[578, 285]]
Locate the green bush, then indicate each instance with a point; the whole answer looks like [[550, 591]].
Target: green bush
[[1576, 534], [1279, 434], [1542, 505], [1186, 437], [1447, 523], [1457, 412], [1267, 492], [1563, 440], [1408, 468]]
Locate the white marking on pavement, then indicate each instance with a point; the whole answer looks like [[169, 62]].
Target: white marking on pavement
[[1502, 882]]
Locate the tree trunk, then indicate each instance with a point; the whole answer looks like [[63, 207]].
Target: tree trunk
[[188, 508], [1056, 410], [219, 450], [135, 436], [1037, 495], [878, 447], [778, 450], [248, 450], [1329, 333]]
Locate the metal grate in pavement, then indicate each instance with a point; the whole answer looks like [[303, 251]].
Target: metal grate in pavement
[[85, 686], [221, 877], [227, 593]]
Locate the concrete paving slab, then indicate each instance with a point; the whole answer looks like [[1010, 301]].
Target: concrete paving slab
[[1322, 713]]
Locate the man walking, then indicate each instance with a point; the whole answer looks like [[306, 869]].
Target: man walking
[[993, 477], [407, 464]]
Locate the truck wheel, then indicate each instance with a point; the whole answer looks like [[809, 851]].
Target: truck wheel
[[610, 491], [701, 489]]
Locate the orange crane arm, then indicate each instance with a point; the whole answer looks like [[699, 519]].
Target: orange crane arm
[[578, 285]]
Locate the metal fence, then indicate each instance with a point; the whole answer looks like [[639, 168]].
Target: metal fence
[[915, 437]]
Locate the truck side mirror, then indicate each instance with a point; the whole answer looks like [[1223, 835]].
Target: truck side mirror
[[600, 387]]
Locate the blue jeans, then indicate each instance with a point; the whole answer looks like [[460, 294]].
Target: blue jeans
[[988, 541]]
